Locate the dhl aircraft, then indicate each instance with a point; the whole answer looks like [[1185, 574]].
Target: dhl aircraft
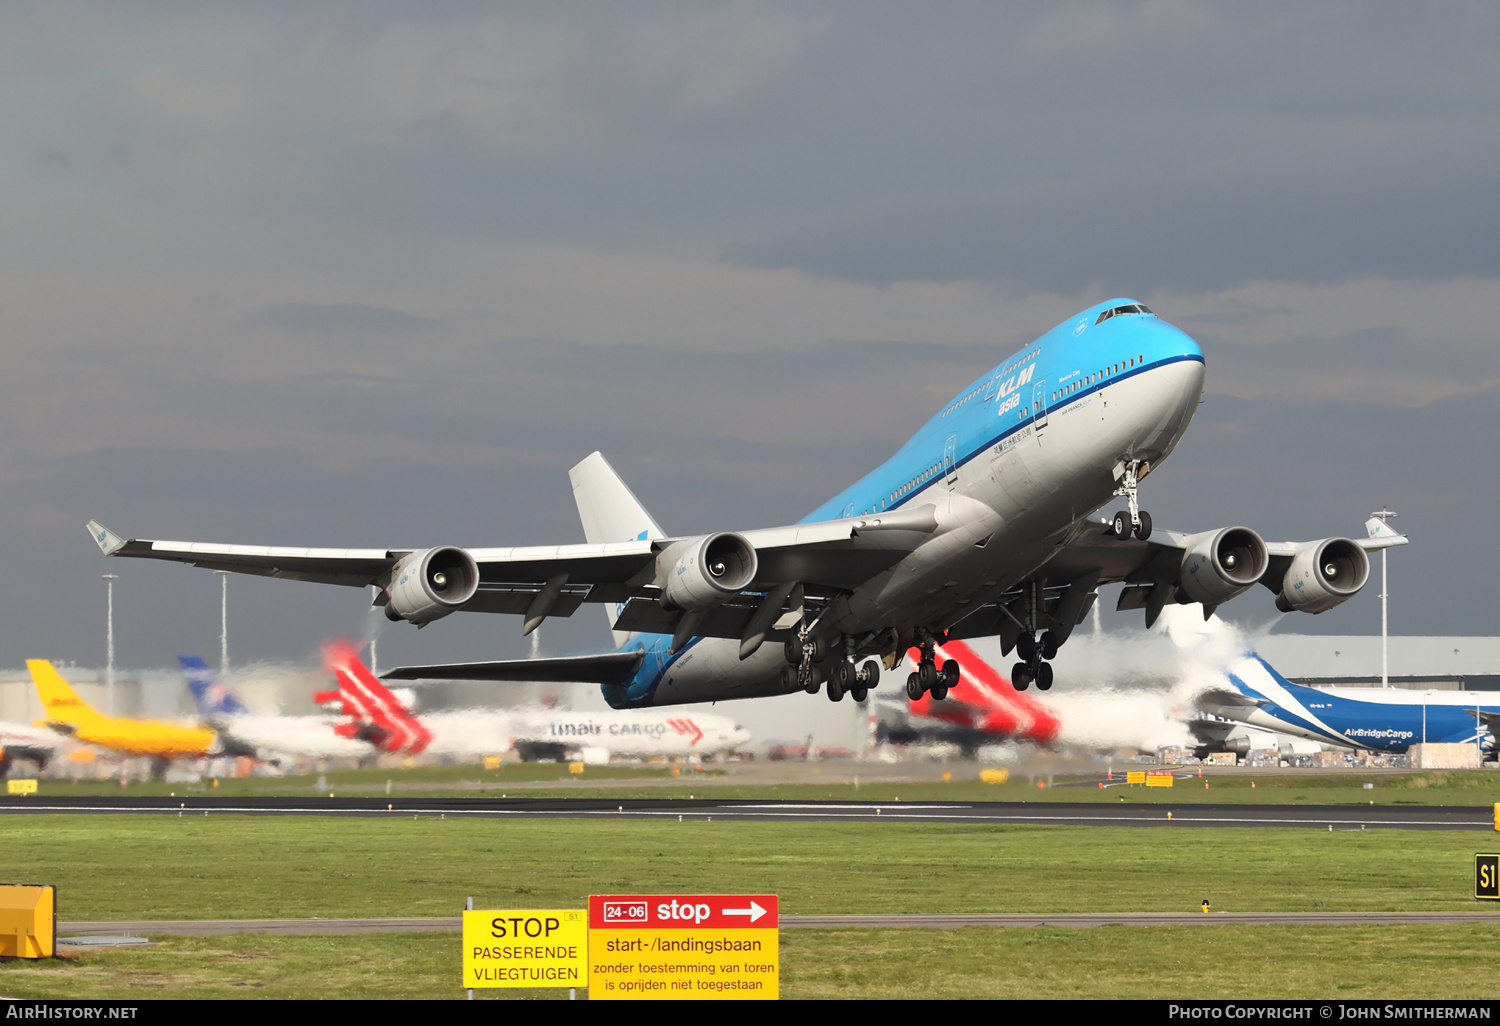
[[68, 714], [980, 525]]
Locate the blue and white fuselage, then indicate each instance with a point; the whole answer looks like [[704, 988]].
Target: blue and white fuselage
[[1378, 719], [1011, 467]]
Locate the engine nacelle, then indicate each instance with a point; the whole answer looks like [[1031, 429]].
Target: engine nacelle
[[1323, 574], [703, 572], [431, 584], [1218, 565]]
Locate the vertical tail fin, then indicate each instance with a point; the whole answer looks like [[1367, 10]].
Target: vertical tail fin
[[215, 700], [59, 700], [380, 717], [610, 512]]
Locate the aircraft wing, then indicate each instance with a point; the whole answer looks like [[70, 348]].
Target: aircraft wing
[[610, 668], [1209, 567], [554, 580]]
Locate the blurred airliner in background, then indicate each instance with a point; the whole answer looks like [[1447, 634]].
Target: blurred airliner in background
[[157, 739]]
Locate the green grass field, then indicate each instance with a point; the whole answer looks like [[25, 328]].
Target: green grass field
[[1458, 787], [227, 866]]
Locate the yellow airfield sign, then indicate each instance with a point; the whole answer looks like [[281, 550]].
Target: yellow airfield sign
[[529, 948], [676, 946]]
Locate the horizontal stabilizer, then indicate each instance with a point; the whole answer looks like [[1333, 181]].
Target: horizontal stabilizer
[[609, 668], [1489, 719], [1225, 698]]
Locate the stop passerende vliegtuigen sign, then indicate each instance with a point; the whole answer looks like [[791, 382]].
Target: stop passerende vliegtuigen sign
[[684, 946]]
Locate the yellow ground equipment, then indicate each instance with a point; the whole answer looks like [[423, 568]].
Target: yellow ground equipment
[[28, 920]]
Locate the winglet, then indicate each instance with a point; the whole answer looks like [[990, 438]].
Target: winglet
[[1382, 536], [109, 543]]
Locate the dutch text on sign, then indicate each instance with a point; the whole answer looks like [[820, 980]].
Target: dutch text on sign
[[684, 946], [1159, 778], [1135, 777], [533, 948]]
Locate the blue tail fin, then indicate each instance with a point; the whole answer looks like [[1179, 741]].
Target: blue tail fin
[[213, 698]]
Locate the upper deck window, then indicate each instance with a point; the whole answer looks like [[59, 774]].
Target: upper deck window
[[1128, 308]]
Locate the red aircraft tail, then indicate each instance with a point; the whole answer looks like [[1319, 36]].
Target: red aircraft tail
[[986, 701], [376, 715]]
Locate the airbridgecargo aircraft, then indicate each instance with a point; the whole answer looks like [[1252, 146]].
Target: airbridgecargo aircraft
[[1376, 719], [980, 525]]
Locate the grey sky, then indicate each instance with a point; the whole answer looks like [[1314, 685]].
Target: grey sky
[[379, 274]]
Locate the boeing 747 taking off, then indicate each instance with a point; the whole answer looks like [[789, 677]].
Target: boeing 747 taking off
[[979, 525]]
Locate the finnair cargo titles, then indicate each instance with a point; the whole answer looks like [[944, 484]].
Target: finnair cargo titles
[[978, 526]]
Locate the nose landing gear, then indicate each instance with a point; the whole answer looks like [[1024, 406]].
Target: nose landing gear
[[1134, 520]]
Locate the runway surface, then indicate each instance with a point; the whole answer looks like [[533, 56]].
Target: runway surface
[[1322, 817], [453, 924]]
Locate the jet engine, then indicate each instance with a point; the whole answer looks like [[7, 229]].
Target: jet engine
[[1323, 574], [431, 584], [702, 572], [1218, 565]]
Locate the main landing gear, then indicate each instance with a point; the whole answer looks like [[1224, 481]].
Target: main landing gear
[[1134, 520], [809, 667], [927, 677], [1034, 669]]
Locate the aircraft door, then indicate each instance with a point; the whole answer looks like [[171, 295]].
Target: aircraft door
[[1039, 405], [950, 460]]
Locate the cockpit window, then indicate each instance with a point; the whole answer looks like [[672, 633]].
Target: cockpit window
[[1128, 308]]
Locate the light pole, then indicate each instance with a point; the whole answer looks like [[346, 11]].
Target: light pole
[[1385, 662], [223, 623], [109, 640]]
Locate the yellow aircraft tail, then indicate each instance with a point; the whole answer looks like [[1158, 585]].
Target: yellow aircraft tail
[[60, 701]]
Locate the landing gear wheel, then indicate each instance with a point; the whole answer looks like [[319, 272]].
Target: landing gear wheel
[[868, 675], [1122, 525], [1044, 677], [1049, 646], [791, 650], [950, 673], [819, 649], [928, 673], [836, 687], [1026, 647], [914, 688], [1020, 676], [939, 692], [814, 680], [1143, 529], [859, 694], [789, 680]]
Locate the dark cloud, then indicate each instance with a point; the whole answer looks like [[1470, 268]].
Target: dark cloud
[[342, 317], [1201, 229]]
